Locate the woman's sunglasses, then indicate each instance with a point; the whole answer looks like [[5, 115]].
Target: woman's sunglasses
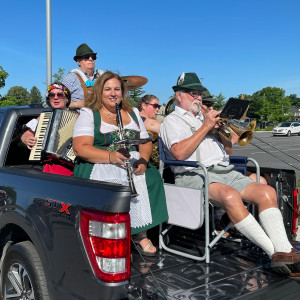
[[59, 95], [155, 105]]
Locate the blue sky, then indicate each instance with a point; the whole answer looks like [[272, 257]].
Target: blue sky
[[236, 46]]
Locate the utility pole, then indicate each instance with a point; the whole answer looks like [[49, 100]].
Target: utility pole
[[49, 42]]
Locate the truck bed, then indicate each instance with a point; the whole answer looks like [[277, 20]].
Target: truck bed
[[236, 271]]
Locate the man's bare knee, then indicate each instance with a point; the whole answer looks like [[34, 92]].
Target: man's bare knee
[[225, 195]]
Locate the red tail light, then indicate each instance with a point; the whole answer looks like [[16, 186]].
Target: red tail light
[[295, 213], [106, 237]]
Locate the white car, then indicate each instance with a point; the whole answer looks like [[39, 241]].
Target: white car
[[287, 128]]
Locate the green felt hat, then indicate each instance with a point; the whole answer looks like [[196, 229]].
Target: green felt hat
[[188, 81], [83, 49], [206, 96]]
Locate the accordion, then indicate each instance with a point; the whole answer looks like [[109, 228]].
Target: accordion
[[54, 134]]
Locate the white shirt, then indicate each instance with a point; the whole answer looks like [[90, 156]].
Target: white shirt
[[174, 129], [85, 124]]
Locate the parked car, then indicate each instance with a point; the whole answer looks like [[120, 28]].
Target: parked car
[[287, 128]]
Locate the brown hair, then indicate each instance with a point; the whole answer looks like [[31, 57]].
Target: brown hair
[[94, 99], [145, 99]]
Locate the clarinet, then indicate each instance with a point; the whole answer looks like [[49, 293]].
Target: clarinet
[[125, 146]]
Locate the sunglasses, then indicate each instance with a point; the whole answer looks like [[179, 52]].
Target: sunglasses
[[154, 105], [87, 56], [59, 95]]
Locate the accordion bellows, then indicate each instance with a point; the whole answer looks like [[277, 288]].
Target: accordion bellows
[[54, 135]]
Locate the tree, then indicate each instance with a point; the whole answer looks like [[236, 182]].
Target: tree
[[135, 95], [59, 75], [18, 94], [270, 104], [3, 76], [8, 102], [35, 95], [295, 101], [218, 101]]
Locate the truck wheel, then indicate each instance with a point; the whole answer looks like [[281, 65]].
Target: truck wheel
[[22, 275], [288, 134]]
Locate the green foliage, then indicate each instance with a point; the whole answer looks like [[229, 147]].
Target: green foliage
[[8, 102], [18, 94], [3, 76], [295, 101], [59, 75], [218, 101], [135, 95], [269, 128], [35, 95], [270, 104]]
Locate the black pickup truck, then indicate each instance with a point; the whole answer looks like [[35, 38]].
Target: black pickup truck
[[66, 238]]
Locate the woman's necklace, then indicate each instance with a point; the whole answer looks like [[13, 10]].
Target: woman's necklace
[[109, 115]]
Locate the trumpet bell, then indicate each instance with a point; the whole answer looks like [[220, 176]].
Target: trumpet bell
[[245, 133]]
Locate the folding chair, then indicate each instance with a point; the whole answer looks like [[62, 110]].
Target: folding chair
[[189, 208]]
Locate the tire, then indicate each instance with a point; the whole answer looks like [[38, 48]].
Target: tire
[[288, 134], [22, 275]]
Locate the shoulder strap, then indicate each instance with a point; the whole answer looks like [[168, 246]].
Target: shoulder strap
[[193, 130], [97, 121], [134, 117], [84, 87]]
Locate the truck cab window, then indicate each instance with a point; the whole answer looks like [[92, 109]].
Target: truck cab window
[[18, 153]]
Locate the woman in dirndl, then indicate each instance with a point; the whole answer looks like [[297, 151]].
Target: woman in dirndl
[[95, 140]]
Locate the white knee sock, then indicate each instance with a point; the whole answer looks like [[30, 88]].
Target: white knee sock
[[272, 222], [250, 228]]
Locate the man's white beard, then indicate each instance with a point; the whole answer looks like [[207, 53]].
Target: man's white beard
[[195, 107]]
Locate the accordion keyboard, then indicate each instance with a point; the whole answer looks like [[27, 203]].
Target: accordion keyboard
[[40, 133]]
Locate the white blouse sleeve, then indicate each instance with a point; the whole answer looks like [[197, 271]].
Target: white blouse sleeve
[[144, 134], [84, 124]]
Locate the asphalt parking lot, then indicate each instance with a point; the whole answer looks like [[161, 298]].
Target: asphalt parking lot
[[273, 152]]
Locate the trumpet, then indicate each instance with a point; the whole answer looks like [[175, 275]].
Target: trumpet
[[245, 134]]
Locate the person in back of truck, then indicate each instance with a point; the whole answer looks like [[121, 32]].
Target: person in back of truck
[[57, 96], [95, 138], [81, 80], [187, 135], [148, 107]]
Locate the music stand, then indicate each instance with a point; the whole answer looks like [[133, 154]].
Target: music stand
[[234, 108]]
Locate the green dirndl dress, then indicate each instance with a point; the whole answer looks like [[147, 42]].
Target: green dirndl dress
[[154, 182]]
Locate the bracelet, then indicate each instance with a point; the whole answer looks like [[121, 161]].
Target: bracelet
[[109, 156]]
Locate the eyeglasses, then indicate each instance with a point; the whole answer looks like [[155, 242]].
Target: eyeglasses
[[207, 104], [59, 95], [87, 56], [194, 94], [155, 105]]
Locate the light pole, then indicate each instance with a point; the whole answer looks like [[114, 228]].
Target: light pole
[[48, 42]]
